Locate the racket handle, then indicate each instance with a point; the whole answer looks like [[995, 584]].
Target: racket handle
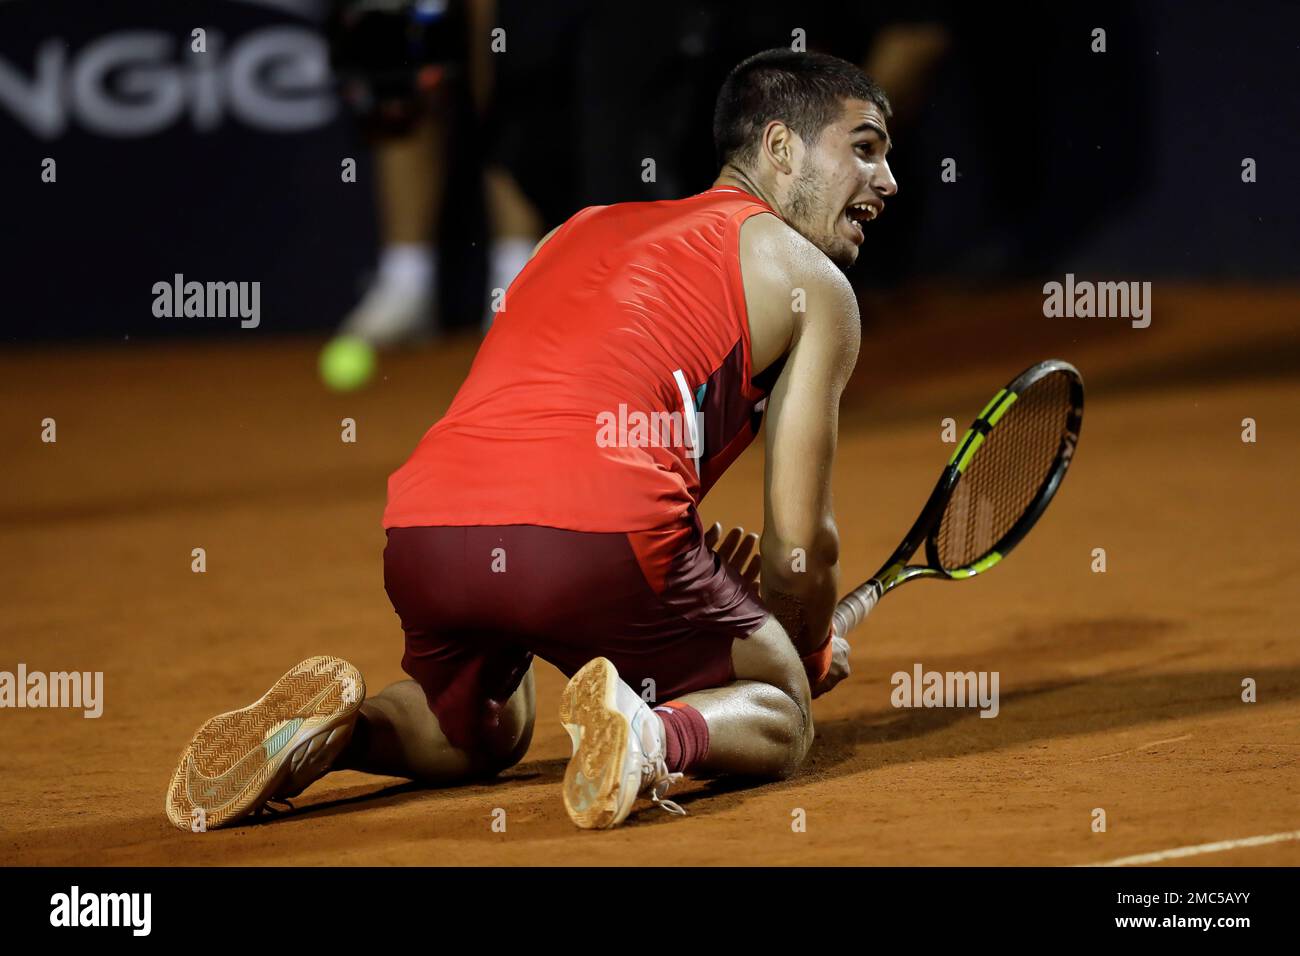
[[855, 606]]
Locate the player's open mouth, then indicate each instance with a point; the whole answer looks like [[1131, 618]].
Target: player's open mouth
[[858, 213]]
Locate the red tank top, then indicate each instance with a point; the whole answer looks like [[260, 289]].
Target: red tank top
[[615, 386]]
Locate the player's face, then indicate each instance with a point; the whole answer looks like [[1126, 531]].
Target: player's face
[[842, 182]]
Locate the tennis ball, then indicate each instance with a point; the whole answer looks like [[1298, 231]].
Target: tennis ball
[[347, 362]]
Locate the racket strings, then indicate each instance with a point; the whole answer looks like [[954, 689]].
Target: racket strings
[[1006, 473]]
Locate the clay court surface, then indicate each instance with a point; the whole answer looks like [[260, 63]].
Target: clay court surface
[[1119, 690]]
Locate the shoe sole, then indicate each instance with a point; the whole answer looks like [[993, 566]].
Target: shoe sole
[[239, 760], [589, 712]]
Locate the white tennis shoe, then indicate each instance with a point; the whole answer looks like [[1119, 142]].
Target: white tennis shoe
[[618, 749], [270, 750]]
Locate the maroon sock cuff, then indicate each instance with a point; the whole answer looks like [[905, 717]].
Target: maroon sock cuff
[[686, 736]]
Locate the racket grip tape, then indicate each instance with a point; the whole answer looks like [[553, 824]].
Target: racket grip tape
[[855, 606]]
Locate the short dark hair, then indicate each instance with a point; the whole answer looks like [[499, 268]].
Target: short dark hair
[[804, 90]]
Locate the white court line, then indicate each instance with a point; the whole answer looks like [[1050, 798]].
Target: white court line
[[1154, 743], [1183, 851]]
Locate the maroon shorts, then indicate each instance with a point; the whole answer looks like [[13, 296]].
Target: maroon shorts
[[477, 603]]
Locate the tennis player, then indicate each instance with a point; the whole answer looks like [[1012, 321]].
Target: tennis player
[[554, 510]]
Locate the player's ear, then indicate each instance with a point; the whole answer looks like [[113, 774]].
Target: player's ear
[[778, 146]]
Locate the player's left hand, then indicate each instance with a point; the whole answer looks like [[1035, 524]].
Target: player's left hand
[[839, 666], [739, 550]]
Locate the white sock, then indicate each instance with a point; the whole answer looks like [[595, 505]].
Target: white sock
[[411, 266]]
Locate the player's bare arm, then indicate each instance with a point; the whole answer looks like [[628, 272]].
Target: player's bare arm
[[799, 304]]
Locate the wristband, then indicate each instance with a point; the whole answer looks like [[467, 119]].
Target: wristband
[[818, 663]]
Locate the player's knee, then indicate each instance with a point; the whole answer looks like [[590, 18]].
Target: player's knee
[[790, 738], [798, 741], [768, 656]]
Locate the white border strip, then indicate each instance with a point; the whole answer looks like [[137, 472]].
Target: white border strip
[[1183, 851]]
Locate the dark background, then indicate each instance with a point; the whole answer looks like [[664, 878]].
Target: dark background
[[1122, 166]]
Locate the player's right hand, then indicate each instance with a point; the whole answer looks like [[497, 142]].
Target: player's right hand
[[739, 550]]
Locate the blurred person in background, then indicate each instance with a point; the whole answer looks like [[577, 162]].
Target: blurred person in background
[[399, 64], [406, 68]]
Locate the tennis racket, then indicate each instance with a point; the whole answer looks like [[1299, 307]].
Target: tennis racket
[[999, 481]]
